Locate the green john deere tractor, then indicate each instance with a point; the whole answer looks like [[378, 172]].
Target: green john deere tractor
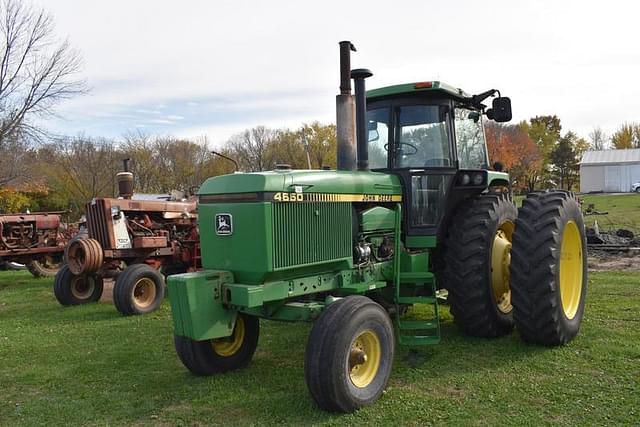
[[354, 250]]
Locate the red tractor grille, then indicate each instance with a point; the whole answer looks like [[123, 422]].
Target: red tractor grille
[[98, 220]]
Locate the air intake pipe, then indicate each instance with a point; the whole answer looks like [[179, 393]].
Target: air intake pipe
[[361, 117]]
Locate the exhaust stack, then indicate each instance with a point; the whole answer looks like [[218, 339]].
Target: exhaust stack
[[125, 181], [345, 112], [361, 117]]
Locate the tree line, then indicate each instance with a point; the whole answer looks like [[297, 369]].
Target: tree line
[[65, 173]]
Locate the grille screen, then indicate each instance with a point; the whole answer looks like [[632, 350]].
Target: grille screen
[[97, 223], [305, 233]]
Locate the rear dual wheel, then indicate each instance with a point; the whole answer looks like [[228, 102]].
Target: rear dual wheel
[[549, 268], [531, 270], [477, 260], [219, 355]]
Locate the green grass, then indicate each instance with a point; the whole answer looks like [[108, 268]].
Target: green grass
[[88, 365]]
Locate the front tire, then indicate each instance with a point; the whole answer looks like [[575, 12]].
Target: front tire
[[223, 354], [476, 273], [70, 289], [349, 354], [139, 289], [549, 268]]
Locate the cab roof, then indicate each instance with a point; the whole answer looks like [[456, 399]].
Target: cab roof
[[426, 86]]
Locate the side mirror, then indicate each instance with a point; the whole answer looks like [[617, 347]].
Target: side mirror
[[501, 110]]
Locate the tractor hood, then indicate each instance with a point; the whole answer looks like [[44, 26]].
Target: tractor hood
[[305, 181]]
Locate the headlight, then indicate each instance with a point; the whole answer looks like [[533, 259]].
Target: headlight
[[465, 179], [478, 178]]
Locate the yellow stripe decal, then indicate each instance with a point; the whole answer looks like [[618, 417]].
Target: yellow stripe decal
[[335, 197]]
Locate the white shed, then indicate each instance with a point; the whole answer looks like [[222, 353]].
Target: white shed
[[611, 171]]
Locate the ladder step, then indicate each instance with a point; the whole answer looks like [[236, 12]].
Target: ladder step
[[405, 325], [416, 300], [418, 340], [416, 276]]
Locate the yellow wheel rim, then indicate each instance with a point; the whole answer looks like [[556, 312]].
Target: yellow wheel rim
[[229, 346], [500, 262], [364, 358], [144, 292], [571, 269], [81, 287]]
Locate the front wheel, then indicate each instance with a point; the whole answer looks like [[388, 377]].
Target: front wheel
[[549, 268], [349, 354], [139, 289], [71, 289], [219, 355]]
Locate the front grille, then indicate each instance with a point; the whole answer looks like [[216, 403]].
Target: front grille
[[98, 223], [306, 233]]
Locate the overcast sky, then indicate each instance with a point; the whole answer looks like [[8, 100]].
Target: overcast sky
[[214, 68]]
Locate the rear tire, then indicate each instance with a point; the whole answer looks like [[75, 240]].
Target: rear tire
[[46, 267], [549, 268], [139, 289], [224, 354], [349, 354], [480, 298], [70, 289]]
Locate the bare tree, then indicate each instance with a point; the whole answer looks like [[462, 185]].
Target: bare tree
[[598, 138], [251, 148], [37, 71]]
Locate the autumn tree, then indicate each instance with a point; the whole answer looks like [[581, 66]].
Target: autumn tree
[[521, 157], [564, 159], [37, 71], [626, 136]]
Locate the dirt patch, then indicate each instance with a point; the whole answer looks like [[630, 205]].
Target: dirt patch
[[614, 261]]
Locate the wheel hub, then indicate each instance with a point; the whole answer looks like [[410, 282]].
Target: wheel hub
[[144, 292], [229, 346], [500, 264], [571, 269], [364, 358], [82, 287]]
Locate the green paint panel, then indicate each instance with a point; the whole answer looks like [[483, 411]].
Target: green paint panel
[[421, 241], [196, 305], [494, 176], [313, 181], [377, 218], [248, 250], [408, 88]]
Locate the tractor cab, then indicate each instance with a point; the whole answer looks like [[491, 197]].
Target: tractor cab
[[431, 136]]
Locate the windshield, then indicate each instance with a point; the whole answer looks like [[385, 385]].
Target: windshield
[[472, 152], [421, 137]]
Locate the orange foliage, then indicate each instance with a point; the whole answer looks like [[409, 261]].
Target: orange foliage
[[518, 153]]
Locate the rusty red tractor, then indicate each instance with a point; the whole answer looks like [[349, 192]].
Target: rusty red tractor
[[137, 243], [36, 240]]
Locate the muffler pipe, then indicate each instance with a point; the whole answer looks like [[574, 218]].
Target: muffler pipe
[[345, 112]]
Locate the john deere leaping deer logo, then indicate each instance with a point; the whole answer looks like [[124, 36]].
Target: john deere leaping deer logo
[[224, 224]]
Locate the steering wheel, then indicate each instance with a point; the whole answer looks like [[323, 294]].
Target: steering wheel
[[401, 151]]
